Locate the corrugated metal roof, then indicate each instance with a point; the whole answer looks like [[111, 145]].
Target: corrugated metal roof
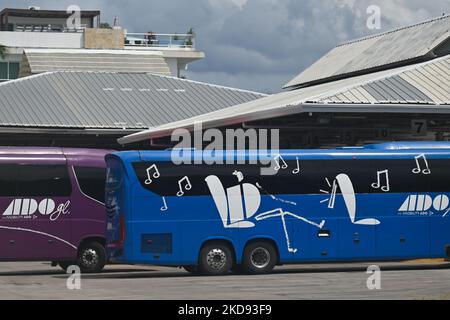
[[382, 51], [43, 60], [428, 83], [94, 100], [420, 88]]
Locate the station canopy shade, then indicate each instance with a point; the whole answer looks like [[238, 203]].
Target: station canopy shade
[[413, 44], [420, 88]]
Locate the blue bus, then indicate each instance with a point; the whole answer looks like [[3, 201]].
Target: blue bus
[[378, 202]]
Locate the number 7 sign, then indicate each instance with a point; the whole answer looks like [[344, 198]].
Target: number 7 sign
[[419, 127]]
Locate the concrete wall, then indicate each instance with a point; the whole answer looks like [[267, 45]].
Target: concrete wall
[[42, 39], [173, 66], [103, 39]]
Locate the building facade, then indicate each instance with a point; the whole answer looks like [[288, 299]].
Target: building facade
[[47, 40]]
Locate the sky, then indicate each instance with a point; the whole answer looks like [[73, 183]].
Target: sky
[[257, 45]]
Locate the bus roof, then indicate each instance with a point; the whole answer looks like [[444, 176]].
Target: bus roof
[[80, 156], [427, 145], [52, 151], [391, 149]]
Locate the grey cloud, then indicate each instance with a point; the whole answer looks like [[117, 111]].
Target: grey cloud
[[263, 44]]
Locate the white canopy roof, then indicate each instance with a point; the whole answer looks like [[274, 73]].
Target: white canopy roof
[[420, 88]]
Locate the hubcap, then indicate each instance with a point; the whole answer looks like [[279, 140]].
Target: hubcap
[[216, 259], [260, 257], [89, 258]]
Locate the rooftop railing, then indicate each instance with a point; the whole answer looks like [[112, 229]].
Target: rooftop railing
[[160, 40], [27, 35], [46, 28]]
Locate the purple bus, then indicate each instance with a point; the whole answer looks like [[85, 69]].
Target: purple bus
[[52, 206]]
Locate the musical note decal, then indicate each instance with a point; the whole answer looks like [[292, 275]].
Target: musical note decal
[[377, 185], [280, 163], [297, 169], [419, 169], [156, 174], [164, 207], [187, 186]]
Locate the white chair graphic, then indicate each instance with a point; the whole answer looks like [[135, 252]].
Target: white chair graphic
[[348, 193], [233, 212]]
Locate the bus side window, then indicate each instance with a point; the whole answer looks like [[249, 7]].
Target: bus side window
[[92, 182], [8, 180], [43, 181]]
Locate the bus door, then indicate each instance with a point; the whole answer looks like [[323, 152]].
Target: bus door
[[404, 212], [440, 220], [11, 238], [42, 209]]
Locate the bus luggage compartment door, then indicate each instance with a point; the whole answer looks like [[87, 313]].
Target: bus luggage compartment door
[[356, 241], [311, 243]]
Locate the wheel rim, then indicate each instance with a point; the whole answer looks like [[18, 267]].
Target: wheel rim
[[89, 258], [216, 259], [260, 258]]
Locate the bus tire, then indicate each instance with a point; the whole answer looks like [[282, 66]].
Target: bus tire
[[66, 264], [215, 259], [260, 257], [237, 269], [192, 269], [92, 257]]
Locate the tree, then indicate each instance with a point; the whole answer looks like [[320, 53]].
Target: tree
[[3, 51], [105, 25], [190, 38]]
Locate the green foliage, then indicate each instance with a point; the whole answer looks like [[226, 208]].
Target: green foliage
[[190, 39], [105, 25], [3, 51]]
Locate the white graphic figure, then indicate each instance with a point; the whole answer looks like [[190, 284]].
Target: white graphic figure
[[282, 214], [446, 212], [332, 199], [187, 186], [280, 163], [229, 202], [297, 169], [345, 184], [231, 207], [156, 174], [164, 207], [377, 185], [239, 175], [418, 169]]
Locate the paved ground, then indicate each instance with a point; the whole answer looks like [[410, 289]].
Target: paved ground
[[336, 281]]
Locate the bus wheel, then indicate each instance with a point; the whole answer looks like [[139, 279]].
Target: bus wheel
[[92, 258], [215, 259], [66, 264], [259, 257], [192, 269]]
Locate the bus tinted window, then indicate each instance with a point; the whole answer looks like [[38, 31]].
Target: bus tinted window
[[34, 181], [8, 180], [92, 182], [314, 176], [43, 181]]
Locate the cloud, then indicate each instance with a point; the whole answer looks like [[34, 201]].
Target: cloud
[[256, 44]]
